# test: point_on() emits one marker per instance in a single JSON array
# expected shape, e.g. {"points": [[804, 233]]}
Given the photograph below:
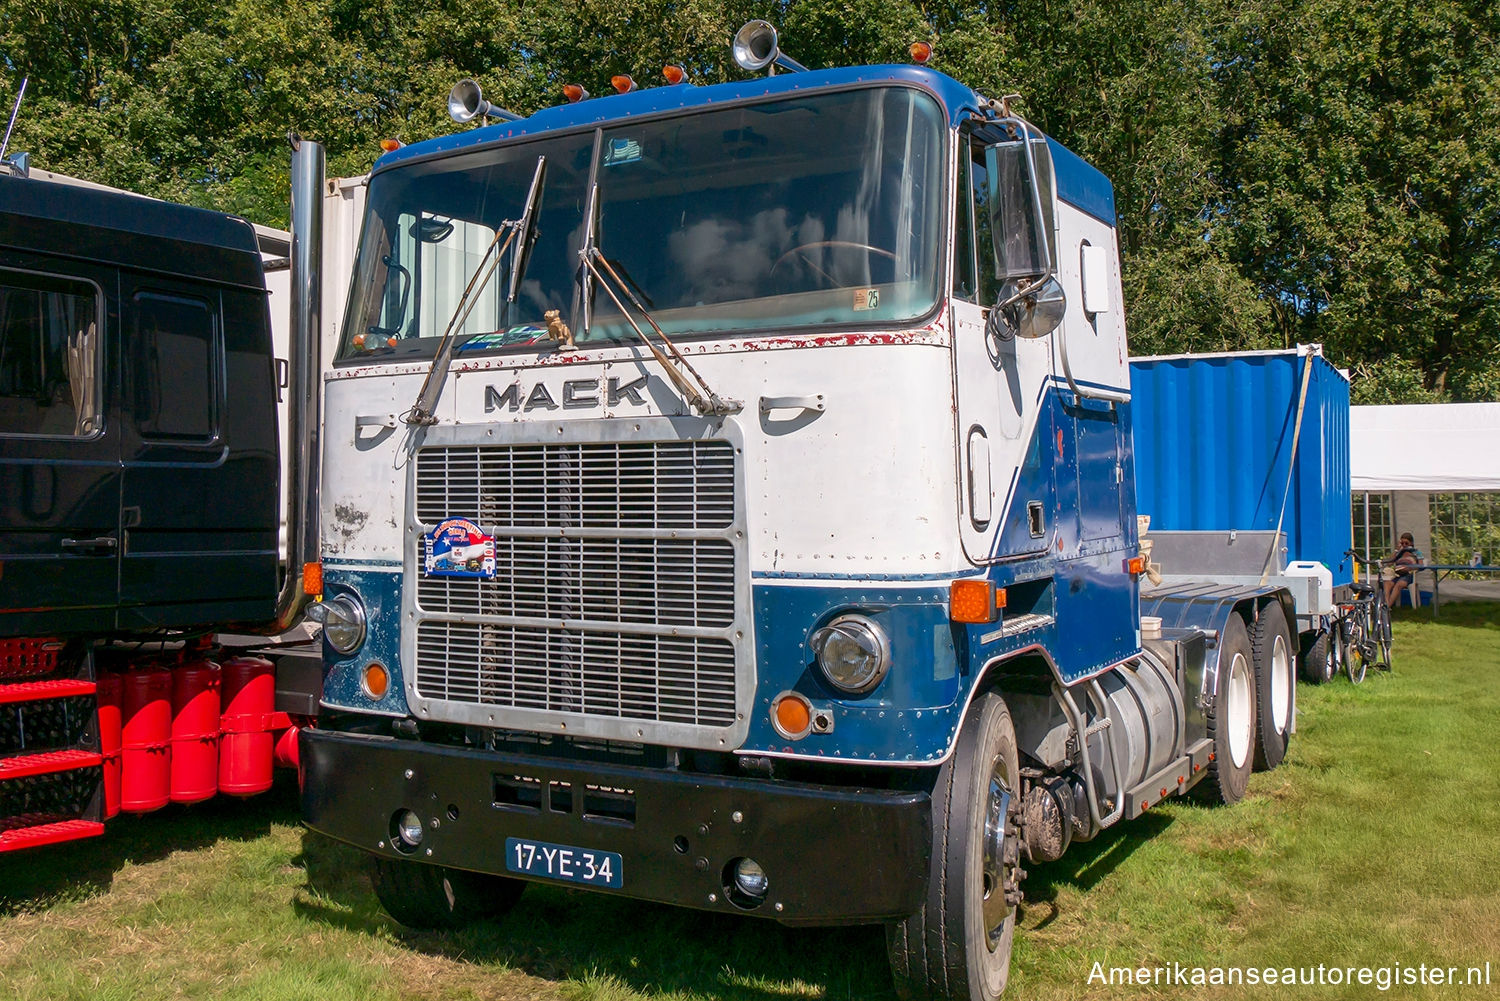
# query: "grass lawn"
{"points": [[1376, 843]]}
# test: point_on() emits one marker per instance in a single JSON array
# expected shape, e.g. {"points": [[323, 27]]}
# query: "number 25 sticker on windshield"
{"points": [[457, 548]]}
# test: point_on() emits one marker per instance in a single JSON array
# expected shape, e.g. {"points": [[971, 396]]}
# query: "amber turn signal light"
{"points": [[312, 578], [376, 681], [1136, 565], [973, 601], [791, 714]]}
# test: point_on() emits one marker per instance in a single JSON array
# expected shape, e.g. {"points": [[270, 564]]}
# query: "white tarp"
{"points": [[1433, 448]]}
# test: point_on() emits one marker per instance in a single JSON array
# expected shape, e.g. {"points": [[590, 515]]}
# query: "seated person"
{"points": [[1397, 573]]}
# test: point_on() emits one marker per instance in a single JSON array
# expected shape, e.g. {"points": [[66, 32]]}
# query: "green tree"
{"points": [[1285, 170]]}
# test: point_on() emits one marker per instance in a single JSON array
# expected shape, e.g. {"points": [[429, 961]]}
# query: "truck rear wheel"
{"points": [[1320, 659], [957, 947], [435, 897], [1231, 717], [1275, 685]]}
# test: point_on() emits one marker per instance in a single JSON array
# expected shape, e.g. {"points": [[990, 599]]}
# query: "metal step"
{"points": [[48, 832], [35, 691], [48, 762]]}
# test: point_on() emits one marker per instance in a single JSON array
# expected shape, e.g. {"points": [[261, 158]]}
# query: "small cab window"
{"points": [[974, 270], [49, 356], [174, 366]]}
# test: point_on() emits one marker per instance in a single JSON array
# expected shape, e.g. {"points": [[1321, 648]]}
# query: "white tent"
{"points": [[1400, 456], [1433, 448]]}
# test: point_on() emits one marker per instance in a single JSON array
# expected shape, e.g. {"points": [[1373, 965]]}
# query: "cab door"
{"points": [[59, 448], [1006, 489], [199, 496]]}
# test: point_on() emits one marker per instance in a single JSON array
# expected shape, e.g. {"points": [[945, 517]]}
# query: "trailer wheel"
{"points": [[957, 947], [1275, 686], [1319, 660], [1231, 717], [436, 897]]}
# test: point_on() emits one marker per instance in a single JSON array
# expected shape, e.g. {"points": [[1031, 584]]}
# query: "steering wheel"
{"points": [[849, 244]]}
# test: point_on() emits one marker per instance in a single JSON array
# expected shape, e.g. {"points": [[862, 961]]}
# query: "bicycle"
{"points": [[1364, 626]]}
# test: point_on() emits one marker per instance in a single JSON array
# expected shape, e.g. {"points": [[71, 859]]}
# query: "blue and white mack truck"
{"points": [[727, 501]]}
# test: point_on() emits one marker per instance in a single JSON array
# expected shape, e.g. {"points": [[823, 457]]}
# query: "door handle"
{"points": [[106, 543], [813, 403], [362, 421]]}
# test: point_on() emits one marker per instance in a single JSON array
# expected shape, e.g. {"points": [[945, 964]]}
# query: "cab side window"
{"points": [[49, 356], [176, 367], [974, 247]]}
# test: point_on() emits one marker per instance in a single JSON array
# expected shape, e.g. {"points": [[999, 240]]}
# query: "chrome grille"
{"points": [[664, 679], [619, 485], [678, 582], [615, 588]]}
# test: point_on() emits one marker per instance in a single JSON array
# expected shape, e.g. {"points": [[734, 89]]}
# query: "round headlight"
{"points": [[852, 653], [343, 621]]}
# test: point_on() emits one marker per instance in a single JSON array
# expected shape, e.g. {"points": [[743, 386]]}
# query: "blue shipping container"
{"points": [[1213, 440]]}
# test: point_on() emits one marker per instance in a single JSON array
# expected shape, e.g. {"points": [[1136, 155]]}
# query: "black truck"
{"points": [[140, 506]]}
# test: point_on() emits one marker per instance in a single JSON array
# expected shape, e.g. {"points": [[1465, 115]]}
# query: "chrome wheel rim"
{"points": [[999, 856], [1281, 685], [1238, 715]]}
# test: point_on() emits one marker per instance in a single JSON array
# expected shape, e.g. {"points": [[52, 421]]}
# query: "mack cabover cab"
{"points": [[728, 502]]}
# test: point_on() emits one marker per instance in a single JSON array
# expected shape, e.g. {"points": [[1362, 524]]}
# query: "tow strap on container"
{"points": [[1291, 466]]}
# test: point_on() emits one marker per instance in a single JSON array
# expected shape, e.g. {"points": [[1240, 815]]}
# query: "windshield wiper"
{"points": [[699, 396], [526, 230], [516, 231]]}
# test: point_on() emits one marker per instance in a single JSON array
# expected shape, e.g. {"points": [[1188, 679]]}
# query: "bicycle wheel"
{"points": [[1382, 634], [1356, 653]]}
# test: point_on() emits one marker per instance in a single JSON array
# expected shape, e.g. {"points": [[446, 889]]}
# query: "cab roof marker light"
{"points": [[623, 83], [674, 74], [921, 52], [390, 145], [575, 93]]}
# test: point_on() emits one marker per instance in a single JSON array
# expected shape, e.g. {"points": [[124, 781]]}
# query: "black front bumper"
{"points": [[833, 855]]}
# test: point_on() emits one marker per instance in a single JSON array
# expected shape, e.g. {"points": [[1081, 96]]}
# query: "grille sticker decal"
{"points": [[457, 548]]}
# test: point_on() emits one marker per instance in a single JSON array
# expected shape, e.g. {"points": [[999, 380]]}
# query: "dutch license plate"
{"points": [[565, 862]]}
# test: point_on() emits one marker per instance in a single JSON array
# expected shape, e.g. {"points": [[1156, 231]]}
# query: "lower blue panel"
{"points": [[380, 592], [908, 718], [1098, 615]]}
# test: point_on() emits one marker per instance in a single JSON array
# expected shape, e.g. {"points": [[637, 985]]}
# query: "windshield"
{"points": [[820, 210]]}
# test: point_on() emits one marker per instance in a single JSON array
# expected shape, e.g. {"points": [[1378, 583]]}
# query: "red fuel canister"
{"points": [[249, 701], [109, 687], [146, 733], [195, 731]]}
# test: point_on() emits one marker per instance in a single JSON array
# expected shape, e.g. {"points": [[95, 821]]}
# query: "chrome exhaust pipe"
{"points": [[305, 373], [755, 47]]}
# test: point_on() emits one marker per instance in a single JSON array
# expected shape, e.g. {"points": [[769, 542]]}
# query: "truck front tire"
{"points": [[426, 897], [957, 947]]}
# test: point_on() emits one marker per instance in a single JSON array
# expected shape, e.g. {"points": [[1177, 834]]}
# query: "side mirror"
{"points": [[1020, 204], [1018, 173], [1033, 310]]}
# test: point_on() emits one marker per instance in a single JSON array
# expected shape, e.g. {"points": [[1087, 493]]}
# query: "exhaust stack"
{"points": [[304, 405]]}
